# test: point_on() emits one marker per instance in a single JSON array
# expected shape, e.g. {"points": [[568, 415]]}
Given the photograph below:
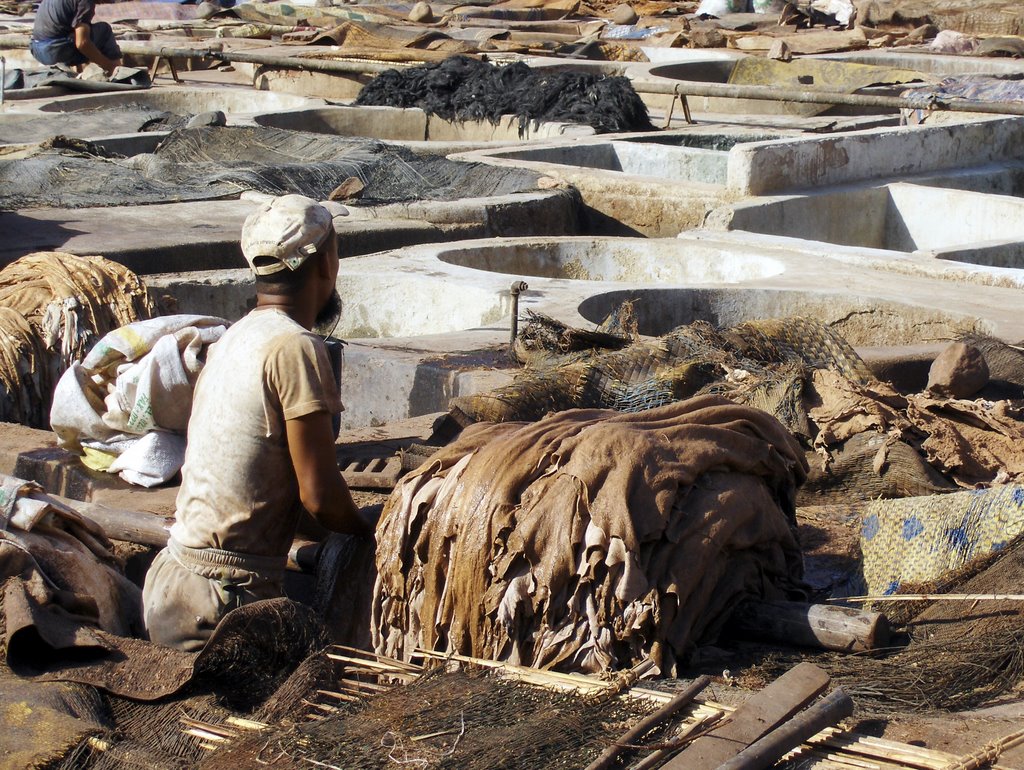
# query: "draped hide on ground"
{"points": [[590, 539]]}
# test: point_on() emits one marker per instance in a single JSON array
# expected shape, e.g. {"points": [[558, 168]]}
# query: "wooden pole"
{"points": [[935, 598], [119, 524], [150, 529], [766, 751], [812, 625], [644, 726], [813, 96]]}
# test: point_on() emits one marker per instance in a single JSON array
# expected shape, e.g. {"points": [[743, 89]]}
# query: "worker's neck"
{"points": [[293, 307]]}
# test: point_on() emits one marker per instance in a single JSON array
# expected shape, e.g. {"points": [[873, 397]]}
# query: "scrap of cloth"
{"points": [[61, 584], [590, 539]]}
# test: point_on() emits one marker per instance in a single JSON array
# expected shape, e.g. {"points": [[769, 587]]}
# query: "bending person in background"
{"points": [[64, 33], [260, 441]]}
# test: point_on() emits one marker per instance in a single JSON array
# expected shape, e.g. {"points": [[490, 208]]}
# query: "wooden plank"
{"points": [[762, 713]]}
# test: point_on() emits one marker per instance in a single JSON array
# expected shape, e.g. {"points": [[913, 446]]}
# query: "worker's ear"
{"points": [[323, 263]]}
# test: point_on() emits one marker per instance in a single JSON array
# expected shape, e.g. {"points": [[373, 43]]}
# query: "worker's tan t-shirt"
{"points": [[238, 486]]}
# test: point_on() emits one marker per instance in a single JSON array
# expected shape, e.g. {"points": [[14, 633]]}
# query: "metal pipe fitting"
{"points": [[517, 288]]}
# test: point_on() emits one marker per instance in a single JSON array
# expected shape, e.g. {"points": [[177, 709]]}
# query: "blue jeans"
{"points": [[62, 50]]}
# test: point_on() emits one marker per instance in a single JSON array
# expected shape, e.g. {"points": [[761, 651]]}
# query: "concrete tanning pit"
{"points": [[929, 222], [402, 196], [133, 122], [803, 74], [429, 322], [722, 140], [619, 260], [415, 126], [862, 320], [186, 101], [676, 164]]}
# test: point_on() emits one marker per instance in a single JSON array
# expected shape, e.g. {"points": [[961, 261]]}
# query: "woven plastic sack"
{"points": [[918, 540]]}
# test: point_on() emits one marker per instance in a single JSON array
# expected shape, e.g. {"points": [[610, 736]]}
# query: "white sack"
{"points": [[136, 381]]}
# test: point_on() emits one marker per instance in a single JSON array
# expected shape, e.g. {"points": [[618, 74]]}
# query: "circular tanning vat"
{"points": [[375, 304], [613, 259], [401, 304], [861, 320]]}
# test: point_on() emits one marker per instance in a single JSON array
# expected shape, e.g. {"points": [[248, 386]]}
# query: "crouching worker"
{"points": [[64, 33], [260, 441]]}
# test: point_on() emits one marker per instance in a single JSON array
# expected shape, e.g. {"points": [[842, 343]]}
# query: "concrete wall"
{"points": [[388, 123], [896, 217], [389, 303], [935, 218], [634, 261], [764, 168], [185, 100], [851, 218]]}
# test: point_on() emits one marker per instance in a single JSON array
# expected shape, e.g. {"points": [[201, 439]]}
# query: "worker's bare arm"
{"points": [[88, 49], [322, 490]]}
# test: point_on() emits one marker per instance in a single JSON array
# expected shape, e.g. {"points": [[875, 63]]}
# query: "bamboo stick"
{"points": [[880, 748], [360, 671], [211, 728], [98, 744], [372, 666], [353, 684], [934, 598], [339, 696], [537, 675], [246, 724], [322, 707], [353, 651], [205, 735]]}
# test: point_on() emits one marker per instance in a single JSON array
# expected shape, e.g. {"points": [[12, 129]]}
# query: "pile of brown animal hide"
{"points": [[590, 539], [872, 441]]}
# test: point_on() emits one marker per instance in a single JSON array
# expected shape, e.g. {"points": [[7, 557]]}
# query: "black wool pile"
{"points": [[460, 88]]}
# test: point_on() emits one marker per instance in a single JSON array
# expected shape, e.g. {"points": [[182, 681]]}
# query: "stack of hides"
{"points": [[591, 539], [53, 308]]}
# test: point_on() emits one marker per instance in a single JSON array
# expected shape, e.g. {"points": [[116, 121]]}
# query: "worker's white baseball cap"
{"points": [[285, 231]]}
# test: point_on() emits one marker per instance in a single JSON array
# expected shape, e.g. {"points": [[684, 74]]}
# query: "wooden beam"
{"points": [[766, 751], [762, 713]]}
